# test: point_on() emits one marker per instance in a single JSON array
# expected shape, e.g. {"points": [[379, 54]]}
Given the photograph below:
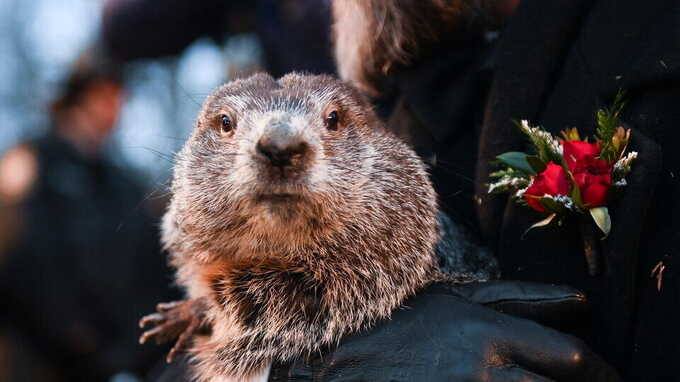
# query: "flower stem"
{"points": [[590, 245]]}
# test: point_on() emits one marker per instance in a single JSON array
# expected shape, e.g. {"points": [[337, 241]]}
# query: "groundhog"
{"points": [[296, 218]]}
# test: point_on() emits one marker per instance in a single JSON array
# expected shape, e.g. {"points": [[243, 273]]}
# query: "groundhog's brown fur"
{"points": [[291, 260]]}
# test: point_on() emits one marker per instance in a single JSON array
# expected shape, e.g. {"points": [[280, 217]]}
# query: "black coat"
{"points": [[559, 62], [437, 104]]}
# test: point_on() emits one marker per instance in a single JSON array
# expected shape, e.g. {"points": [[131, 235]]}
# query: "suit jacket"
{"points": [[558, 62]]}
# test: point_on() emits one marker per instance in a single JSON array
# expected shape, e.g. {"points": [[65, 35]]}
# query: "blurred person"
{"points": [[294, 34], [79, 254]]}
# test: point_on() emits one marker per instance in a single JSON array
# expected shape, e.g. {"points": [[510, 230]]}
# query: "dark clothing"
{"points": [[295, 34], [459, 253], [437, 104], [86, 266], [558, 62], [133, 29]]}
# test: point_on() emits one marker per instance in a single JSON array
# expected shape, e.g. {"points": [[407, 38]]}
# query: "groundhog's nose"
{"points": [[282, 152]]}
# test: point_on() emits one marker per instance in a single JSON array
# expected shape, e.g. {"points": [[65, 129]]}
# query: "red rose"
{"points": [[552, 181], [578, 153], [594, 187], [593, 176]]}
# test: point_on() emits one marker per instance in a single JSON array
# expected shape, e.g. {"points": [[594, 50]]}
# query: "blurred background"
{"points": [[96, 96]]}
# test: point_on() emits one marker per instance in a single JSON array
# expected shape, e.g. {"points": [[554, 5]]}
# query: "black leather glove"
{"points": [[447, 334]]}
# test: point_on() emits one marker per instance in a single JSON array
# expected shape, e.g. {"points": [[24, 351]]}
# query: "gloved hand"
{"points": [[453, 334]]}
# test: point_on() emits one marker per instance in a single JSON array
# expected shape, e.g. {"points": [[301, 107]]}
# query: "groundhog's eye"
{"points": [[332, 120], [227, 123]]}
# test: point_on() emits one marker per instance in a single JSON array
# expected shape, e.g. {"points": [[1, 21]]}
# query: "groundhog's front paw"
{"points": [[178, 319]]}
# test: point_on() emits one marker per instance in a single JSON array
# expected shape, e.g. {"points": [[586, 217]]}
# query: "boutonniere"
{"points": [[570, 175]]}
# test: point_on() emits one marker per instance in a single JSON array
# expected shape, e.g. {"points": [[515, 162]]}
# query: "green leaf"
{"points": [[607, 124], [536, 163], [542, 223], [518, 161], [551, 205], [509, 172], [601, 217], [576, 194]]}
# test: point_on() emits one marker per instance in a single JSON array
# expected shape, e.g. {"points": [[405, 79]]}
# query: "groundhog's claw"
{"points": [[179, 319], [166, 306], [183, 340], [155, 318]]}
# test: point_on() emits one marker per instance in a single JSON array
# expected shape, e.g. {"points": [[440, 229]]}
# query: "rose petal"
{"points": [[555, 178], [552, 181], [594, 188], [534, 202], [578, 153]]}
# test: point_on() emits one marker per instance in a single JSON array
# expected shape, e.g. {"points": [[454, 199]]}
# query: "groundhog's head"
{"points": [[281, 164]]}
